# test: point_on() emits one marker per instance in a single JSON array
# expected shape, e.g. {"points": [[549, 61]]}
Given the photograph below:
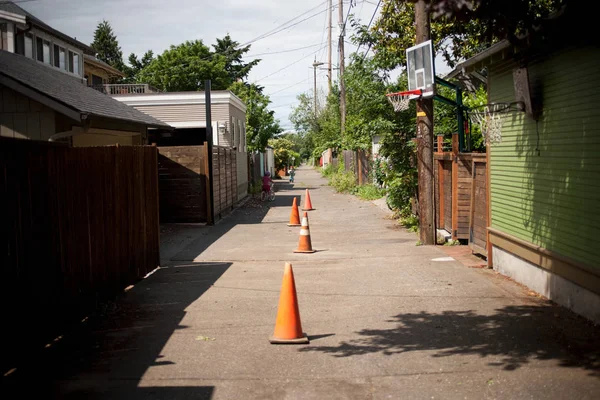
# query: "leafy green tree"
{"points": [[107, 46], [306, 123], [137, 65], [283, 151], [261, 124], [185, 67], [368, 111], [459, 28]]}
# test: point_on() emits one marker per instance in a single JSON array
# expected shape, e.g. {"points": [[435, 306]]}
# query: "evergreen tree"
{"points": [[107, 46]]}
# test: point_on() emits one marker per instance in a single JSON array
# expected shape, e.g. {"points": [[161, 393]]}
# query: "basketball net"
{"points": [[490, 120], [400, 101]]}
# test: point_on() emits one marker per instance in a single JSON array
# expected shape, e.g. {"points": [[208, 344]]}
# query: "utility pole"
{"points": [[315, 65], [329, 66], [342, 67], [425, 139], [209, 145]]}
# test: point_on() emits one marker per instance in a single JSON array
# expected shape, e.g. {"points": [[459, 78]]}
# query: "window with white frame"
{"points": [[74, 63], [28, 45], [233, 136], [60, 57], [42, 52], [242, 136]]}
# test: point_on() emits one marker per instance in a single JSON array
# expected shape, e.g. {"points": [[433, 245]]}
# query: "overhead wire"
{"points": [[285, 25], [368, 26], [287, 66]]}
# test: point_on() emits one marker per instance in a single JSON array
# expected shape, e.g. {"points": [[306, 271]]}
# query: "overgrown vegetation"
{"points": [[370, 192], [458, 32]]}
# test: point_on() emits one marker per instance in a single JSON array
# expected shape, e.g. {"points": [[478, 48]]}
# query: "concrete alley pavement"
{"points": [[387, 319]]}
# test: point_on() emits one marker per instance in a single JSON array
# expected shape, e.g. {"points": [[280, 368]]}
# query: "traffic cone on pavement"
{"points": [[295, 215], [304, 244], [307, 203], [288, 327]]}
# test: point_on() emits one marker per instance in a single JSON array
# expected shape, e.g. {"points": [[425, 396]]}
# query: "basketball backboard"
{"points": [[420, 67]]}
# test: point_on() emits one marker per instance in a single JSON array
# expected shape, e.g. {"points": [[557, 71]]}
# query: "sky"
{"points": [[142, 25]]}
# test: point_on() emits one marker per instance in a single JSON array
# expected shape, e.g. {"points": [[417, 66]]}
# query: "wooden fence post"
{"points": [[454, 232], [208, 180]]}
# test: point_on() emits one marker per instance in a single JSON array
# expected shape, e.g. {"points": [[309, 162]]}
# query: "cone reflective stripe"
{"points": [[304, 243], [288, 327], [295, 215], [307, 203]]}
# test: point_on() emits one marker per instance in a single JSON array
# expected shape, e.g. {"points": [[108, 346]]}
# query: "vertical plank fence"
{"points": [[224, 180], [77, 226], [461, 208]]}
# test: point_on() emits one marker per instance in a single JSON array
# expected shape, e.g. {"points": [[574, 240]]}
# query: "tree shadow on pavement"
{"points": [[107, 355], [513, 336]]}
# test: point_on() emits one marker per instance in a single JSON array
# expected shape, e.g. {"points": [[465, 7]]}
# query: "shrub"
{"points": [[327, 170], [343, 182], [369, 192]]}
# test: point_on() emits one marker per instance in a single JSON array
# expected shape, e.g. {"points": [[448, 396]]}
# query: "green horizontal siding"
{"points": [[545, 176]]}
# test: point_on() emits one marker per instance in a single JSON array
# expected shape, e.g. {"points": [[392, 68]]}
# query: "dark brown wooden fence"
{"points": [[478, 220], [358, 162], [183, 179], [77, 224], [459, 179]]}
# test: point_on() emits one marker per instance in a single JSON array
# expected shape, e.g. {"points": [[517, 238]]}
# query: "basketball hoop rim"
{"points": [[496, 108], [417, 92]]}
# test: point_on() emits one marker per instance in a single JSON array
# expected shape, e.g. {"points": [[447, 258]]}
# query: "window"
{"points": [[46, 47], [74, 62], [28, 46], [233, 132], [42, 50], [4, 36], [62, 59], [39, 49]]}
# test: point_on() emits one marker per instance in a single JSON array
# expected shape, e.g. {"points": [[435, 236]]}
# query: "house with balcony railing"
{"points": [[125, 88]]}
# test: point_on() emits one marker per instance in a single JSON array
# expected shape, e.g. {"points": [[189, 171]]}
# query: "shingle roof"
{"points": [[68, 90], [15, 9]]}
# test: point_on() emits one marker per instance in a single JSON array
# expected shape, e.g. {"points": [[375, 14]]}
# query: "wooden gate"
{"points": [[461, 202]]}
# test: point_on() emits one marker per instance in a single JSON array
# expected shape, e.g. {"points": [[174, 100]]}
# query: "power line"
{"points": [[284, 51], [287, 66], [283, 26], [368, 26]]}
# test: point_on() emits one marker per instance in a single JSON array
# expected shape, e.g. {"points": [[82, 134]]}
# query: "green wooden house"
{"points": [[544, 174]]}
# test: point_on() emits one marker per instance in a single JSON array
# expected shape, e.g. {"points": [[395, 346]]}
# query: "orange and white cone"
{"points": [[295, 214], [307, 203], [288, 327], [304, 244]]}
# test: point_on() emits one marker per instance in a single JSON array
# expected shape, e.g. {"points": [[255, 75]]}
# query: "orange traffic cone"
{"points": [[295, 215], [288, 328], [307, 203], [304, 244]]}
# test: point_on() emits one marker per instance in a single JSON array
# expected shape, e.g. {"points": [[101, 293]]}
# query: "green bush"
{"points": [[327, 170], [410, 222], [369, 192], [255, 188], [343, 182]]}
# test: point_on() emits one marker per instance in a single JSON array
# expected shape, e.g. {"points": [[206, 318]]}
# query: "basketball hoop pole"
{"points": [[427, 231]]}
